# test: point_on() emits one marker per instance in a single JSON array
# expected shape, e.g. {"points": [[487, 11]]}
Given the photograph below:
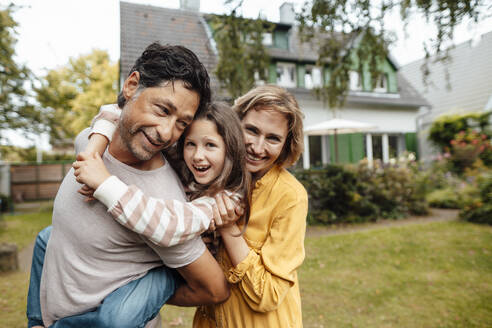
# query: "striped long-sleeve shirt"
{"points": [[164, 222]]}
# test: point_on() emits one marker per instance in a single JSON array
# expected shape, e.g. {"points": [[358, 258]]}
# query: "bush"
{"points": [[445, 198], [479, 209], [339, 194], [445, 128], [6, 203]]}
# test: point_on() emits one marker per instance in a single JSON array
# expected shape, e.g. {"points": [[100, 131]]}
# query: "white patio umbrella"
{"points": [[338, 126]]}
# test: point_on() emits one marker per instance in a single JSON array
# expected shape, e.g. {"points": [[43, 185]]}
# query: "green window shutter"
{"points": [[411, 142], [357, 146], [301, 72]]}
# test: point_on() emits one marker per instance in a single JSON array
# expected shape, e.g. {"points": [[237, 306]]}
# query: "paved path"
{"points": [[435, 215]]}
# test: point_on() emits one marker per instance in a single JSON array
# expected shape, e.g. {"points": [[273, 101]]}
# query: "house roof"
{"points": [[469, 83], [143, 24]]}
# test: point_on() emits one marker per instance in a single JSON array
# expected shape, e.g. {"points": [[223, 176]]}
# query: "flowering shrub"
{"points": [[468, 147]]}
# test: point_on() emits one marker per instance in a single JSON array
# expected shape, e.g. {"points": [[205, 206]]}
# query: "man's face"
{"points": [[154, 118]]}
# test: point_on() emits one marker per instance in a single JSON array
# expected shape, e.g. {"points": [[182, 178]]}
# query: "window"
{"points": [[267, 39], [377, 147], [286, 75], [312, 78], [382, 83], [315, 151], [393, 146], [258, 80], [355, 81]]}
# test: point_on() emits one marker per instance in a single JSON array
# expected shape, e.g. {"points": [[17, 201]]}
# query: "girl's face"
{"points": [[265, 132], [204, 151]]}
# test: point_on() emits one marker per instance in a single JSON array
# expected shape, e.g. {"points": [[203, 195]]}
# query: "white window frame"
{"points": [[313, 77], [286, 74], [267, 39], [355, 81]]}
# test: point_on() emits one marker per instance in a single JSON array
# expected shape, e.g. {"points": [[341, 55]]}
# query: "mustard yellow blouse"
{"points": [[264, 286]]}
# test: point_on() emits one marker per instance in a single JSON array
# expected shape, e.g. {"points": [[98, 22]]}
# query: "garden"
{"points": [[460, 177], [430, 274]]}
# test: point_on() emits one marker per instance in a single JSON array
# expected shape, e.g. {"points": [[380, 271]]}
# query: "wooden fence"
{"points": [[36, 181]]}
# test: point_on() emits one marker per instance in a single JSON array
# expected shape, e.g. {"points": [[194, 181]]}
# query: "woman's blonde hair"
{"points": [[272, 97]]}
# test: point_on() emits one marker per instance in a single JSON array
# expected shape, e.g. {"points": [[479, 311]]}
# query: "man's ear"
{"points": [[130, 85]]}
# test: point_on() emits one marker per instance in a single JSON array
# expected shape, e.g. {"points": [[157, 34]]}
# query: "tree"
{"points": [[16, 112], [242, 55], [73, 94], [340, 29]]}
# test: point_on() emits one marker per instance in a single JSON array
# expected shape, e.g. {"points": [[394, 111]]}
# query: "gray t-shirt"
{"points": [[89, 254]]}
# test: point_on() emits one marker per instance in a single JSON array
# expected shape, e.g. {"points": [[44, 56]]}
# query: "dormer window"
{"points": [[267, 39], [286, 75], [355, 81], [312, 78], [382, 83]]}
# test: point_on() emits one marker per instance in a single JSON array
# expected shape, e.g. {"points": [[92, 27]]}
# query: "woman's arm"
{"points": [[265, 277]]}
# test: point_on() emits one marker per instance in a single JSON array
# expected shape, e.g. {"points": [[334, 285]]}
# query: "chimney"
{"points": [[190, 5], [287, 15]]}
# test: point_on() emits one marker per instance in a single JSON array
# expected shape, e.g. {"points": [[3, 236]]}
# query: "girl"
{"points": [[209, 157], [261, 265]]}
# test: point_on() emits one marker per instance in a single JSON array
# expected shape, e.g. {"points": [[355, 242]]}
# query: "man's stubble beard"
{"points": [[127, 136]]}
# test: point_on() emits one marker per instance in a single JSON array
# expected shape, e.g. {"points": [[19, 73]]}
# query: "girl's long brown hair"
{"points": [[234, 176]]}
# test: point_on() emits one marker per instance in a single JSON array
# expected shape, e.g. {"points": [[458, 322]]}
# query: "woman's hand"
{"points": [[91, 171], [226, 211]]}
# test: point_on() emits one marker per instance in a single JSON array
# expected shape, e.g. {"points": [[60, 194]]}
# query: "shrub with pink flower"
{"points": [[468, 147]]}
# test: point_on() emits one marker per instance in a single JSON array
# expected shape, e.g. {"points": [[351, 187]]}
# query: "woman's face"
{"points": [[265, 132], [204, 151]]}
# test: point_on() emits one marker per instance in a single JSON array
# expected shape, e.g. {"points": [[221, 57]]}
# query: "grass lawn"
{"points": [[430, 275]]}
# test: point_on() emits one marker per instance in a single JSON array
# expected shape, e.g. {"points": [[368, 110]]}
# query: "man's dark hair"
{"points": [[160, 63]]}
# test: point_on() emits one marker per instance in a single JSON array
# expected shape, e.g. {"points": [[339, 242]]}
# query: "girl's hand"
{"points": [[92, 172], [226, 212]]}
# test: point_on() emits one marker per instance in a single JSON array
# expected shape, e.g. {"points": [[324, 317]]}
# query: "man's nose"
{"points": [[165, 132]]}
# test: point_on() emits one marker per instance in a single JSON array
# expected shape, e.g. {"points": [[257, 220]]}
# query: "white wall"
{"points": [[388, 120]]}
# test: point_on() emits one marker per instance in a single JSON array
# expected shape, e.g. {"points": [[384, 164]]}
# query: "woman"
{"points": [[262, 264]]}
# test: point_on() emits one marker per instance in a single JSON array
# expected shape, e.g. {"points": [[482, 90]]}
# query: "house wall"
{"points": [[352, 147], [388, 119]]}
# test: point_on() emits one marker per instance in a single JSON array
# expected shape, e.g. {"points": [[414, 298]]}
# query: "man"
{"points": [[89, 255]]}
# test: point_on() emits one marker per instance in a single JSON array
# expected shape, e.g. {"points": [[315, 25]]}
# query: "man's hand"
{"points": [[226, 212], [92, 172]]}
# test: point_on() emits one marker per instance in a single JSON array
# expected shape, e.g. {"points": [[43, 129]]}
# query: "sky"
{"points": [[52, 31]]}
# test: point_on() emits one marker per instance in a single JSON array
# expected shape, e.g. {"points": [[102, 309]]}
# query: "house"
{"points": [[462, 84], [392, 106]]}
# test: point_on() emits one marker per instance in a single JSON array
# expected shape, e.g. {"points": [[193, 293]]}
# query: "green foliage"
{"points": [[341, 28], [445, 198], [479, 209], [241, 51], [446, 127], [74, 93], [19, 154], [15, 110], [339, 194], [5, 203]]}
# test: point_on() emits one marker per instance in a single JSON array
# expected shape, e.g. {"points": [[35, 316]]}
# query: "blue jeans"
{"points": [[132, 305]]}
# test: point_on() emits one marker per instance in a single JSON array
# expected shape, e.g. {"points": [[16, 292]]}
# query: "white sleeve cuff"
{"points": [[103, 127], [110, 191]]}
